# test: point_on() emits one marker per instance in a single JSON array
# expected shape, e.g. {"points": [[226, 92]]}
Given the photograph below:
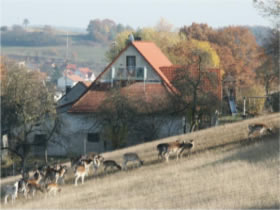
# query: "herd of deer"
{"points": [[46, 179]]}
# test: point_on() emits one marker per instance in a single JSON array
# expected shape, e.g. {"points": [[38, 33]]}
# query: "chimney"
{"points": [[131, 38]]}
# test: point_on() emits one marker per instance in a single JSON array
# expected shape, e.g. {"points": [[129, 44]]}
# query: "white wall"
{"points": [[76, 127], [140, 62], [62, 82]]}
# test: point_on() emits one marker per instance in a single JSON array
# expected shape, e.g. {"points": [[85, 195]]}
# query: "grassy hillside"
{"points": [[87, 55], [226, 170]]}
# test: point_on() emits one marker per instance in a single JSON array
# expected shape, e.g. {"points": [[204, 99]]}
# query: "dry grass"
{"points": [[225, 171]]}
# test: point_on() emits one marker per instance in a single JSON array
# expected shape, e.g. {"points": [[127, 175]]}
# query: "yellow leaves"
{"points": [[121, 38], [204, 46]]}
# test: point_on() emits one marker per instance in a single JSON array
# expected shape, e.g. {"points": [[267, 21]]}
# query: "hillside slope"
{"points": [[225, 171]]}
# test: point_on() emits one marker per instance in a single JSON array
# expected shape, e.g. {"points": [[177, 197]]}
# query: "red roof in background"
{"points": [[86, 83], [71, 66], [74, 77], [85, 70]]}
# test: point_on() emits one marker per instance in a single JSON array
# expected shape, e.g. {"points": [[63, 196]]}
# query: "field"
{"points": [[81, 54], [225, 170]]}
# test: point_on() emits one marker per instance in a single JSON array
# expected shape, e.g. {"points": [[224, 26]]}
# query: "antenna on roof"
{"points": [[66, 64], [131, 37]]}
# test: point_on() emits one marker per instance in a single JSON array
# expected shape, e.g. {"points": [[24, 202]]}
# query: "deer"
{"points": [[131, 157], [11, 190], [33, 185], [111, 164], [162, 149], [178, 148], [97, 161], [52, 188], [82, 171], [261, 128], [56, 173]]}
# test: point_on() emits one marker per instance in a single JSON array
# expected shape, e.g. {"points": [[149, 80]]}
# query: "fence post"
{"points": [[244, 106]]}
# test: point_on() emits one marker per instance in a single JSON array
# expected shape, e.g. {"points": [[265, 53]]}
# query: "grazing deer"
{"points": [[162, 149], [258, 127], [111, 164], [52, 188], [22, 187], [131, 157], [75, 161], [97, 161], [11, 190], [59, 174], [82, 170], [33, 183], [178, 148]]}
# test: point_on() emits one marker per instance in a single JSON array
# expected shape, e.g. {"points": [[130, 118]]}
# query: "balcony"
{"points": [[138, 73]]}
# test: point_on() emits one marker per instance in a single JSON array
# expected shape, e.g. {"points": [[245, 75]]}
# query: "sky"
{"points": [[136, 13]]}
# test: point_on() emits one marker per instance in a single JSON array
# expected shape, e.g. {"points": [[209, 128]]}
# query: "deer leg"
{"points": [[76, 180], [6, 199]]}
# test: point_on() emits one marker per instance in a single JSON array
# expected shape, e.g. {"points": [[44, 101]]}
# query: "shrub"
{"points": [[253, 105]]}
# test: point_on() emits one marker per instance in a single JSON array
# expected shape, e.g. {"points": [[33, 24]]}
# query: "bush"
{"points": [[253, 105]]}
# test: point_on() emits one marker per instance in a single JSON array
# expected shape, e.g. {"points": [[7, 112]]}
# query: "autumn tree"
{"points": [[236, 47], [269, 9], [27, 105], [195, 81], [116, 115], [269, 70], [104, 30]]}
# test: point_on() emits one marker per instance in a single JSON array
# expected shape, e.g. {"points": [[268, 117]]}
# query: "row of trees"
{"points": [[18, 36], [104, 30]]}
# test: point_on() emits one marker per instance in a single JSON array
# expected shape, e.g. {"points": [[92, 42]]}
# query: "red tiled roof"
{"points": [[155, 58], [85, 70], [155, 94], [169, 71], [74, 77], [87, 83], [71, 66]]}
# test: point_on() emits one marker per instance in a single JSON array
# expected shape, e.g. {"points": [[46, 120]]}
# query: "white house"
{"points": [[68, 80], [137, 69], [85, 73], [139, 72]]}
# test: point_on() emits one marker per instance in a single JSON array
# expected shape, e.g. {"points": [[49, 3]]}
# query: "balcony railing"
{"points": [[129, 73]]}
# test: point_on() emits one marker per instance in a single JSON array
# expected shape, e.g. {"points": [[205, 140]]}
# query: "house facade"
{"points": [[137, 73]]}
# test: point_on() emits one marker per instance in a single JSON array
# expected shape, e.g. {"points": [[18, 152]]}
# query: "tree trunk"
{"points": [[23, 159], [46, 155]]}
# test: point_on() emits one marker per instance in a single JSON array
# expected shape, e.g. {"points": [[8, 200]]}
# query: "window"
{"points": [[140, 73], [93, 137], [130, 62], [40, 139]]}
